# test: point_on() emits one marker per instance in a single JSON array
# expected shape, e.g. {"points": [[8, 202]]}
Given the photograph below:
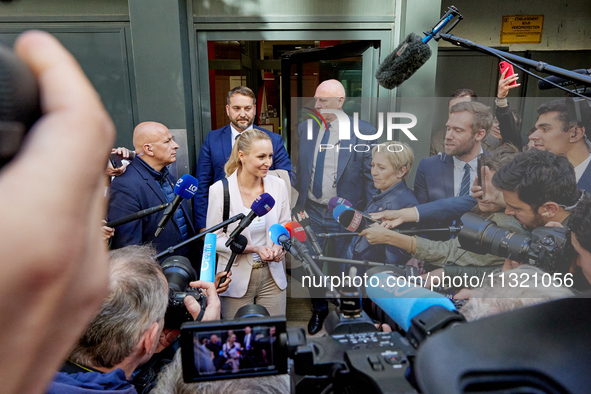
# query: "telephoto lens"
{"points": [[179, 273]]}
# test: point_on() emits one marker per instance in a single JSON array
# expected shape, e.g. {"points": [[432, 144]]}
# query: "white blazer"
{"points": [[242, 266]]}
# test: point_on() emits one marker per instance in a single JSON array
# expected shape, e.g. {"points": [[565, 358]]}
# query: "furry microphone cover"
{"points": [[411, 54]]}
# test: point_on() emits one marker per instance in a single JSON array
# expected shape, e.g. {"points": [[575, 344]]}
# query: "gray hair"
{"points": [[495, 298], [170, 381], [138, 297]]}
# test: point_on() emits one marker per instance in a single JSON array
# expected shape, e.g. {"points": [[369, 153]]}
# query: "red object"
{"points": [[504, 66], [296, 231]]}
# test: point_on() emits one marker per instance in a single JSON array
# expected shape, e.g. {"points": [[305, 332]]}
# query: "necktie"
{"points": [[319, 171], [465, 185]]}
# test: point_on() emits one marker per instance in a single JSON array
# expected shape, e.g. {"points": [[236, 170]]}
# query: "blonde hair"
{"points": [[243, 144], [399, 154]]}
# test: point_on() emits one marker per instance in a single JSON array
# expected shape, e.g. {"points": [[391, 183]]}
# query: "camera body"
{"points": [[547, 248]]}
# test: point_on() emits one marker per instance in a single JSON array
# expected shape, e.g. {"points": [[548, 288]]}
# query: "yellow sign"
{"points": [[522, 29]]}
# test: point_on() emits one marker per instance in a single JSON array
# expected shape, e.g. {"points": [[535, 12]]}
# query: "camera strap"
{"points": [[226, 212]]}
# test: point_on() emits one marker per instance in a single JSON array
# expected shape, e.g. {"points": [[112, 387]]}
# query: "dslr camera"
{"points": [[547, 248], [179, 273]]}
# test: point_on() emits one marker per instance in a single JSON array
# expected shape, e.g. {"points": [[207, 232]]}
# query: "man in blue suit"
{"points": [[328, 167], [147, 183], [215, 151]]}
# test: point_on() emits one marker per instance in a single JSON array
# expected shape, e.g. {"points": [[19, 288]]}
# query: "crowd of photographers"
{"points": [[105, 313]]}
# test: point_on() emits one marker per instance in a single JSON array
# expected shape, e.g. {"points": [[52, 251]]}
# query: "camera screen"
{"points": [[234, 351]]}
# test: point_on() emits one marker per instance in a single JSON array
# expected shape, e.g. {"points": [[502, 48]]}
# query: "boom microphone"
{"points": [[185, 188], [303, 218], [137, 215], [544, 85], [403, 303], [259, 208], [237, 247], [207, 272]]}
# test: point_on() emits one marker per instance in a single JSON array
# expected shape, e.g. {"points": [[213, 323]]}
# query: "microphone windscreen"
{"points": [[186, 186], [300, 215], [544, 85], [275, 231], [401, 64], [238, 244], [263, 204], [339, 209], [208, 260], [402, 303], [353, 221], [337, 201], [296, 231]]}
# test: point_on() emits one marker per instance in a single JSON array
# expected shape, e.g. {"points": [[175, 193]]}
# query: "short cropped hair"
{"points": [[482, 115], [539, 177], [399, 154], [465, 93], [494, 298], [170, 380], [579, 222], [500, 156], [138, 297], [558, 106], [243, 90]]}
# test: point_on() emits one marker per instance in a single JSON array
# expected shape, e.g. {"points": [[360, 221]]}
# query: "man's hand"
{"points": [[51, 226], [376, 234], [505, 84], [392, 219], [213, 308], [226, 284], [110, 171]]}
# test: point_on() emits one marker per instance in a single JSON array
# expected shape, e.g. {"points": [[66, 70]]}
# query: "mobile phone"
{"points": [[504, 66], [480, 173], [115, 160], [241, 348]]}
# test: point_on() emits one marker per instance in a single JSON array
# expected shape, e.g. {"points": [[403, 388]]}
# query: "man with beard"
{"points": [[215, 151], [451, 174]]}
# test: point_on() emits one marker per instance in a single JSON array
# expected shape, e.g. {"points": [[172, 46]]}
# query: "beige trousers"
{"points": [[261, 290]]}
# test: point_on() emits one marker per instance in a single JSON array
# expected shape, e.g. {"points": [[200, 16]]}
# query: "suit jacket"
{"points": [[585, 180], [213, 156], [135, 190], [242, 267], [354, 181]]}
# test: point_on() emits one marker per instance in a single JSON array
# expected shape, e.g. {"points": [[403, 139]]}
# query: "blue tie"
{"points": [[319, 171], [465, 185]]}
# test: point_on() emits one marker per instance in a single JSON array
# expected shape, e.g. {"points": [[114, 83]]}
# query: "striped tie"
{"points": [[465, 185]]}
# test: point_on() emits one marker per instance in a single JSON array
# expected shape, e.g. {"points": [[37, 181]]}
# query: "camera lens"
{"points": [[252, 310], [179, 273]]}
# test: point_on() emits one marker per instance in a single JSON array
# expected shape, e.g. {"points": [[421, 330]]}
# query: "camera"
{"points": [[179, 273], [252, 344], [547, 248]]}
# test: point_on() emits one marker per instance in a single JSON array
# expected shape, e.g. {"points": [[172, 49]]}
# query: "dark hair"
{"points": [[465, 93], [497, 158], [243, 90], [558, 106], [539, 177], [579, 222], [482, 116]]}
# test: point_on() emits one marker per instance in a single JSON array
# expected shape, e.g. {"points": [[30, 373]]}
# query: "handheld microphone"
{"points": [[137, 215], [296, 231], [208, 260], [544, 85], [411, 54], [237, 246], [403, 303], [353, 221], [339, 209], [303, 218], [295, 246], [338, 201], [260, 207], [280, 236], [185, 188]]}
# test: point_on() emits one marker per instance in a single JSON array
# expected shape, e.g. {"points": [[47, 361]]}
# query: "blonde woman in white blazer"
{"points": [[258, 274]]}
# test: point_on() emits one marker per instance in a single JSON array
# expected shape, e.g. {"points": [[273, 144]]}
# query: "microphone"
{"points": [[207, 272], [338, 201], [339, 209], [296, 231], [303, 218], [237, 246], [403, 303], [544, 85], [353, 220], [281, 236], [137, 215], [294, 245], [185, 188], [260, 207]]}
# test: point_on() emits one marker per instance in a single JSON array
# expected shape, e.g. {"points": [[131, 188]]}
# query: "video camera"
{"points": [[547, 248], [179, 273]]}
